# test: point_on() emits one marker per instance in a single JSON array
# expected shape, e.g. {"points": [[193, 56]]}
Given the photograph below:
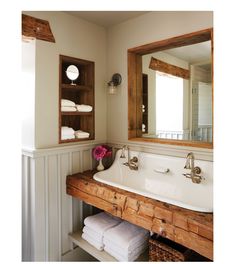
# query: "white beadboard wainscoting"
{"points": [[48, 213]]}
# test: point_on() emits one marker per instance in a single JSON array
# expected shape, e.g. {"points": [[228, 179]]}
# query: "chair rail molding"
{"points": [[164, 149]]}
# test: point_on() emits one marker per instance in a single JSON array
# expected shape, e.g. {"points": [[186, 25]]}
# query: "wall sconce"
{"points": [[115, 81]]}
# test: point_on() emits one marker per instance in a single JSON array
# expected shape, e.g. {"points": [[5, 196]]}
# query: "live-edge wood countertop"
{"points": [[186, 227]]}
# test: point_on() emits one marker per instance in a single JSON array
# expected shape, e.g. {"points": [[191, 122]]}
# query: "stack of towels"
{"points": [[126, 242], [81, 134], [68, 106], [70, 133], [84, 108], [96, 226], [121, 239], [67, 132]]}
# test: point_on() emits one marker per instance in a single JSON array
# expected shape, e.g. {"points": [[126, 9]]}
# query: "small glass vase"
{"points": [[100, 167]]}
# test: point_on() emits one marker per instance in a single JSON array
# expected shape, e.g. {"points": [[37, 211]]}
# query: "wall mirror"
{"points": [[170, 90]]}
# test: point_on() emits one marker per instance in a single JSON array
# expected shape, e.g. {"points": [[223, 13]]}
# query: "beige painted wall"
{"points": [[138, 31], [28, 102], [77, 38]]}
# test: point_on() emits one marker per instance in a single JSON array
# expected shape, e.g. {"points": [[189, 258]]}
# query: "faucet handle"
{"points": [[123, 156], [197, 170], [134, 159]]}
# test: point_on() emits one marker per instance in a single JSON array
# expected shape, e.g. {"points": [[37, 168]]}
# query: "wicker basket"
{"points": [[163, 249]]}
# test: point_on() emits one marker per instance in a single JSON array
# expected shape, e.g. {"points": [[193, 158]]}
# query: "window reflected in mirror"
{"points": [[177, 96]]}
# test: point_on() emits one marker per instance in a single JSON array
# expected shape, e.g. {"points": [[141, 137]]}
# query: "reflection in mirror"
{"points": [[177, 93]]}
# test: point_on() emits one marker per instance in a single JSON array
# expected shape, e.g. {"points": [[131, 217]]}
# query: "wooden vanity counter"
{"points": [[189, 228]]}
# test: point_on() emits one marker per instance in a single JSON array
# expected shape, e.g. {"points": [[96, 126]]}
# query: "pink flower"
{"points": [[100, 152], [109, 150]]}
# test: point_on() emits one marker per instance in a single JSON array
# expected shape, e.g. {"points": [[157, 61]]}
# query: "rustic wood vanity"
{"points": [[189, 228]]}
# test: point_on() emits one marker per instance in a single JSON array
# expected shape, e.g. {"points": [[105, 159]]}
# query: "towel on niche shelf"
{"points": [[65, 130], [63, 137], [84, 108], [101, 222], [81, 134], [67, 133], [68, 109], [66, 102]]}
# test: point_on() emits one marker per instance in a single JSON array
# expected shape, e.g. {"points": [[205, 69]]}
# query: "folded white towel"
{"points": [[93, 242], [138, 241], [92, 233], [125, 253], [84, 108], [126, 236], [81, 134], [66, 102], [66, 131], [101, 222], [124, 256], [68, 109], [63, 137]]}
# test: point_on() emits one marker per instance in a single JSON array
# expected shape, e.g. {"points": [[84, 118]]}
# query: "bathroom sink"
{"points": [[161, 178]]}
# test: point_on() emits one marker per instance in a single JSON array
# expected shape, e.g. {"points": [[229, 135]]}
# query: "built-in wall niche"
{"points": [[81, 92], [185, 62]]}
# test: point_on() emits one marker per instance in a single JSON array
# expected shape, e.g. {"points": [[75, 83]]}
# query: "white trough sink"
{"points": [[170, 187]]}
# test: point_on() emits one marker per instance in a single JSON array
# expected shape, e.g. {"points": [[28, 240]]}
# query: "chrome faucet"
{"points": [[123, 151], [131, 163], [189, 161], [195, 171]]}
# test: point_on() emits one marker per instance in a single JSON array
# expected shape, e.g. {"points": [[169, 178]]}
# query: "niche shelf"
{"points": [[81, 92]]}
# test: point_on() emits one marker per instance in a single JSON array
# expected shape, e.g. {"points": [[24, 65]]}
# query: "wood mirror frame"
{"points": [[135, 84]]}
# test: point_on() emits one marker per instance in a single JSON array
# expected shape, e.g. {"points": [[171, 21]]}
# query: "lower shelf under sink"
{"points": [[103, 256]]}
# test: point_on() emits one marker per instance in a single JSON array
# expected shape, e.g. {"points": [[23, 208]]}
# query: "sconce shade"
{"points": [[115, 81]]}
